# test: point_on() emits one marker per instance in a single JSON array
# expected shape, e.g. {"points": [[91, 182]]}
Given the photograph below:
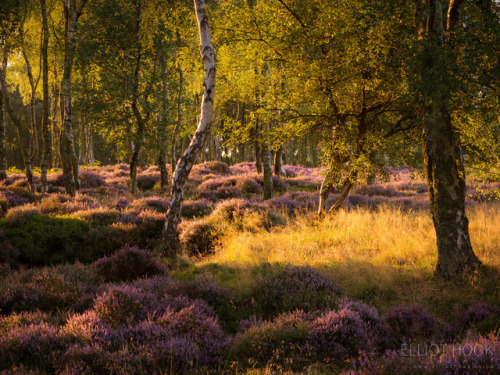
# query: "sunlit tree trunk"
{"points": [[257, 146], [47, 146], [441, 144], [170, 235]]}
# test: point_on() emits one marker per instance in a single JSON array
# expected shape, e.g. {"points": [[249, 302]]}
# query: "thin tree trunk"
{"points": [[17, 122], [279, 170], [47, 146], [268, 168], [162, 131], [71, 168], [441, 146], [3, 133], [170, 235], [179, 117], [257, 147]]}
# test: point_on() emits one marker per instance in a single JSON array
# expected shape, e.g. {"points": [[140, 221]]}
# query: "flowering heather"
{"points": [[199, 237], [481, 314], [147, 181], [8, 254], [283, 203], [242, 168], [204, 331], [99, 216], [36, 345], [123, 305], [295, 288], [13, 199], [196, 208], [26, 318], [278, 341], [129, 263], [61, 287], [89, 327], [91, 180], [208, 167], [412, 323], [21, 214], [249, 186], [339, 335], [121, 203], [154, 202]]}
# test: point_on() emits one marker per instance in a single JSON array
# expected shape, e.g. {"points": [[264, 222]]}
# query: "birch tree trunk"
{"points": [[441, 144], [70, 165], [47, 146], [171, 244]]}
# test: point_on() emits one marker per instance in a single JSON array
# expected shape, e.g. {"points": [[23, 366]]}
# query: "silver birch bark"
{"points": [[171, 244], [268, 167], [163, 129]]}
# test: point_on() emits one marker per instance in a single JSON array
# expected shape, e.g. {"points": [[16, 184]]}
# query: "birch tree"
{"points": [[170, 235], [443, 157], [70, 166]]}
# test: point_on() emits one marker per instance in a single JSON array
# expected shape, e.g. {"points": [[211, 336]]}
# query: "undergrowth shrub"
{"points": [[281, 341], [339, 335], [70, 287], [199, 237], [98, 216], [195, 209], [412, 324], [129, 263], [34, 345], [481, 316], [294, 288]]}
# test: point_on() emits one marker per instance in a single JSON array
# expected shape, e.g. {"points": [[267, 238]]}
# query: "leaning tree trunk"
{"points": [[47, 146], [178, 123], [441, 147], [171, 243]]}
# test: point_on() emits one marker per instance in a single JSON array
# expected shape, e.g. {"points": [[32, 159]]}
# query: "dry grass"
{"points": [[384, 257]]}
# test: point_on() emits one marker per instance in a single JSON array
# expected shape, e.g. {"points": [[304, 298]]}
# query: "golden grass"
{"points": [[384, 256]]}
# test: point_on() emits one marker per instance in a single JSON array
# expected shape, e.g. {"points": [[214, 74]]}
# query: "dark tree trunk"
{"points": [[70, 165], [17, 122], [441, 146], [47, 145], [3, 133], [278, 163], [268, 168], [179, 117], [163, 130], [171, 244], [257, 147]]}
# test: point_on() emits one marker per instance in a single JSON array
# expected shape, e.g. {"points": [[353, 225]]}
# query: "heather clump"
{"points": [[412, 324], [26, 318], [281, 341], [196, 208], [129, 263], [8, 254], [34, 345], [11, 199], [71, 287], [98, 216], [200, 237], [20, 215], [339, 335], [295, 288], [482, 317], [91, 180], [123, 305], [249, 185]]}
